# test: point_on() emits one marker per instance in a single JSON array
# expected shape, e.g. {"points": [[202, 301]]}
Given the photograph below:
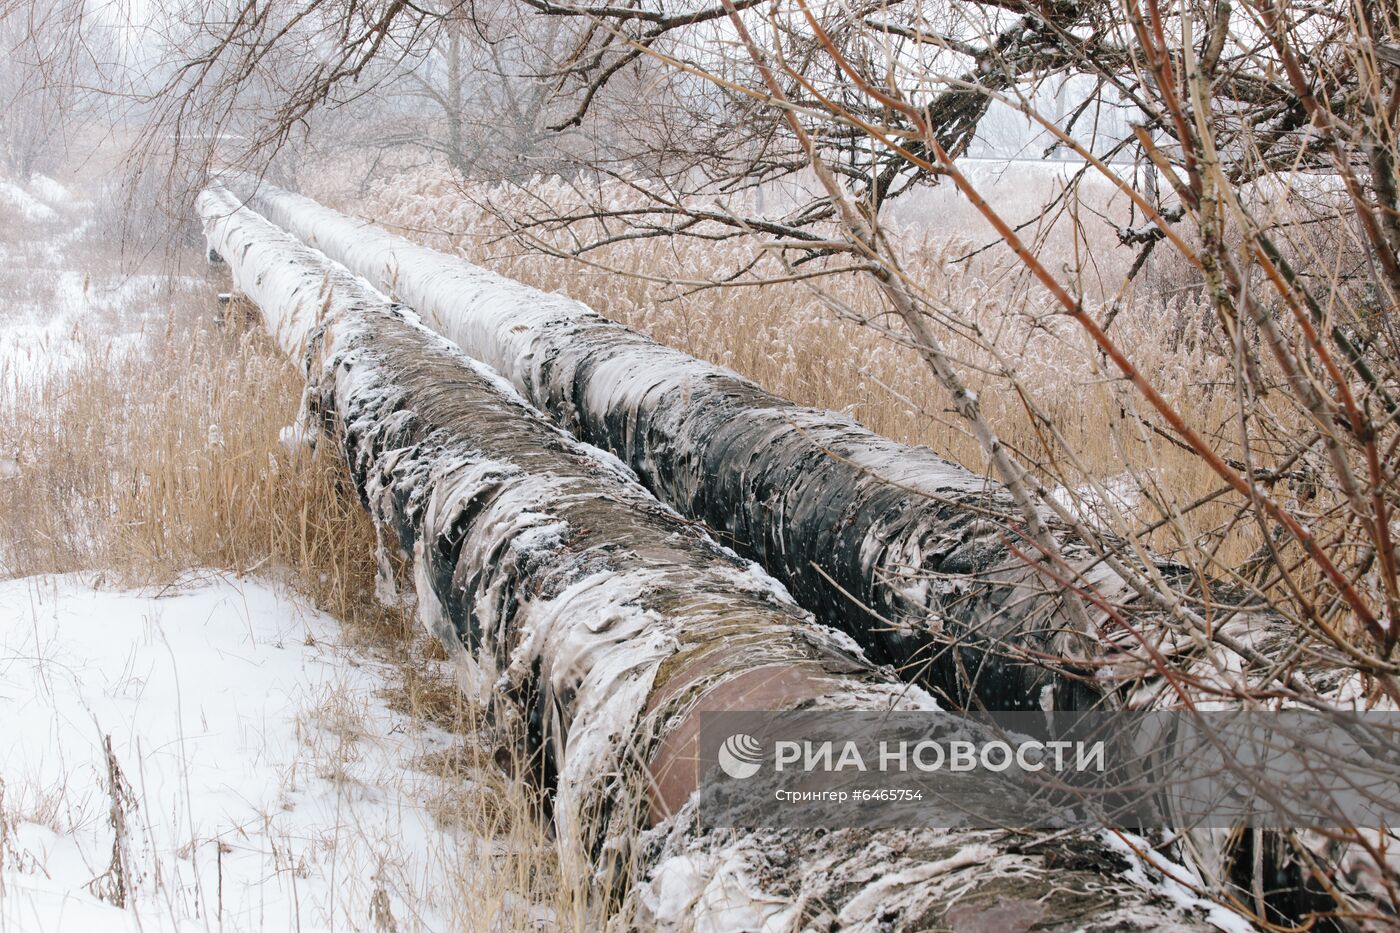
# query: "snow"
{"points": [[39, 339], [1176, 881], [41, 199], [270, 784], [49, 191], [28, 206], [713, 895], [44, 337], [870, 900], [1101, 505], [296, 438], [59, 308]]}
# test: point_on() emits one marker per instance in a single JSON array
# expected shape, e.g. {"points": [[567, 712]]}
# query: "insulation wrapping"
{"points": [[920, 560], [595, 618]]}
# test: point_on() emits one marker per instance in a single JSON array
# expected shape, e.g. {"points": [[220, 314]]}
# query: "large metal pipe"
{"points": [[915, 557], [600, 622]]}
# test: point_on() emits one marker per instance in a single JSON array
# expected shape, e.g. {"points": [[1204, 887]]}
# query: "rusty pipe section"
{"points": [[600, 622]]}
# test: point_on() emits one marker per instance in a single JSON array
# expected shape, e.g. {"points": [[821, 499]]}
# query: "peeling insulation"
{"points": [[921, 561], [596, 619]]}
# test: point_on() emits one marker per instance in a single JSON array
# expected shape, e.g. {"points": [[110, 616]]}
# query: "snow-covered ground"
{"points": [[248, 768], [50, 295], [210, 755], [30, 201]]}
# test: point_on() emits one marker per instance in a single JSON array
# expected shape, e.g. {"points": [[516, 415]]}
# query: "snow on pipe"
{"points": [[912, 555], [599, 622]]}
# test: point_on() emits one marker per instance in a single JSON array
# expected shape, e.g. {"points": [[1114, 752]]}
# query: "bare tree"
{"points": [[870, 102], [50, 62], [489, 93]]}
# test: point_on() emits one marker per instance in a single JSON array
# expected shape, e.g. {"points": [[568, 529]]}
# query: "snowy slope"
{"points": [[268, 785], [62, 303]]}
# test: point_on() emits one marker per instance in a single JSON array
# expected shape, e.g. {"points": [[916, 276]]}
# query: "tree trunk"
{"points": [[913, 556], [599, 621]]}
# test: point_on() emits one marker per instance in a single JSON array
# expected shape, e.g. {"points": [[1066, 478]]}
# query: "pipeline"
{"points": [[599, 622], [913, 556]]}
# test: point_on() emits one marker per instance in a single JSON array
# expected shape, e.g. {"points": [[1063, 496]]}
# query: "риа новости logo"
{"points": [[740, 756]]}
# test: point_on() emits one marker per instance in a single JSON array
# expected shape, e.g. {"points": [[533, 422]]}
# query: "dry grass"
{"points": [[171, 459]]}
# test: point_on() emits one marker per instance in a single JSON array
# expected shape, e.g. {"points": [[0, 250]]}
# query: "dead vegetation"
{"points": [[143, 455]]}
